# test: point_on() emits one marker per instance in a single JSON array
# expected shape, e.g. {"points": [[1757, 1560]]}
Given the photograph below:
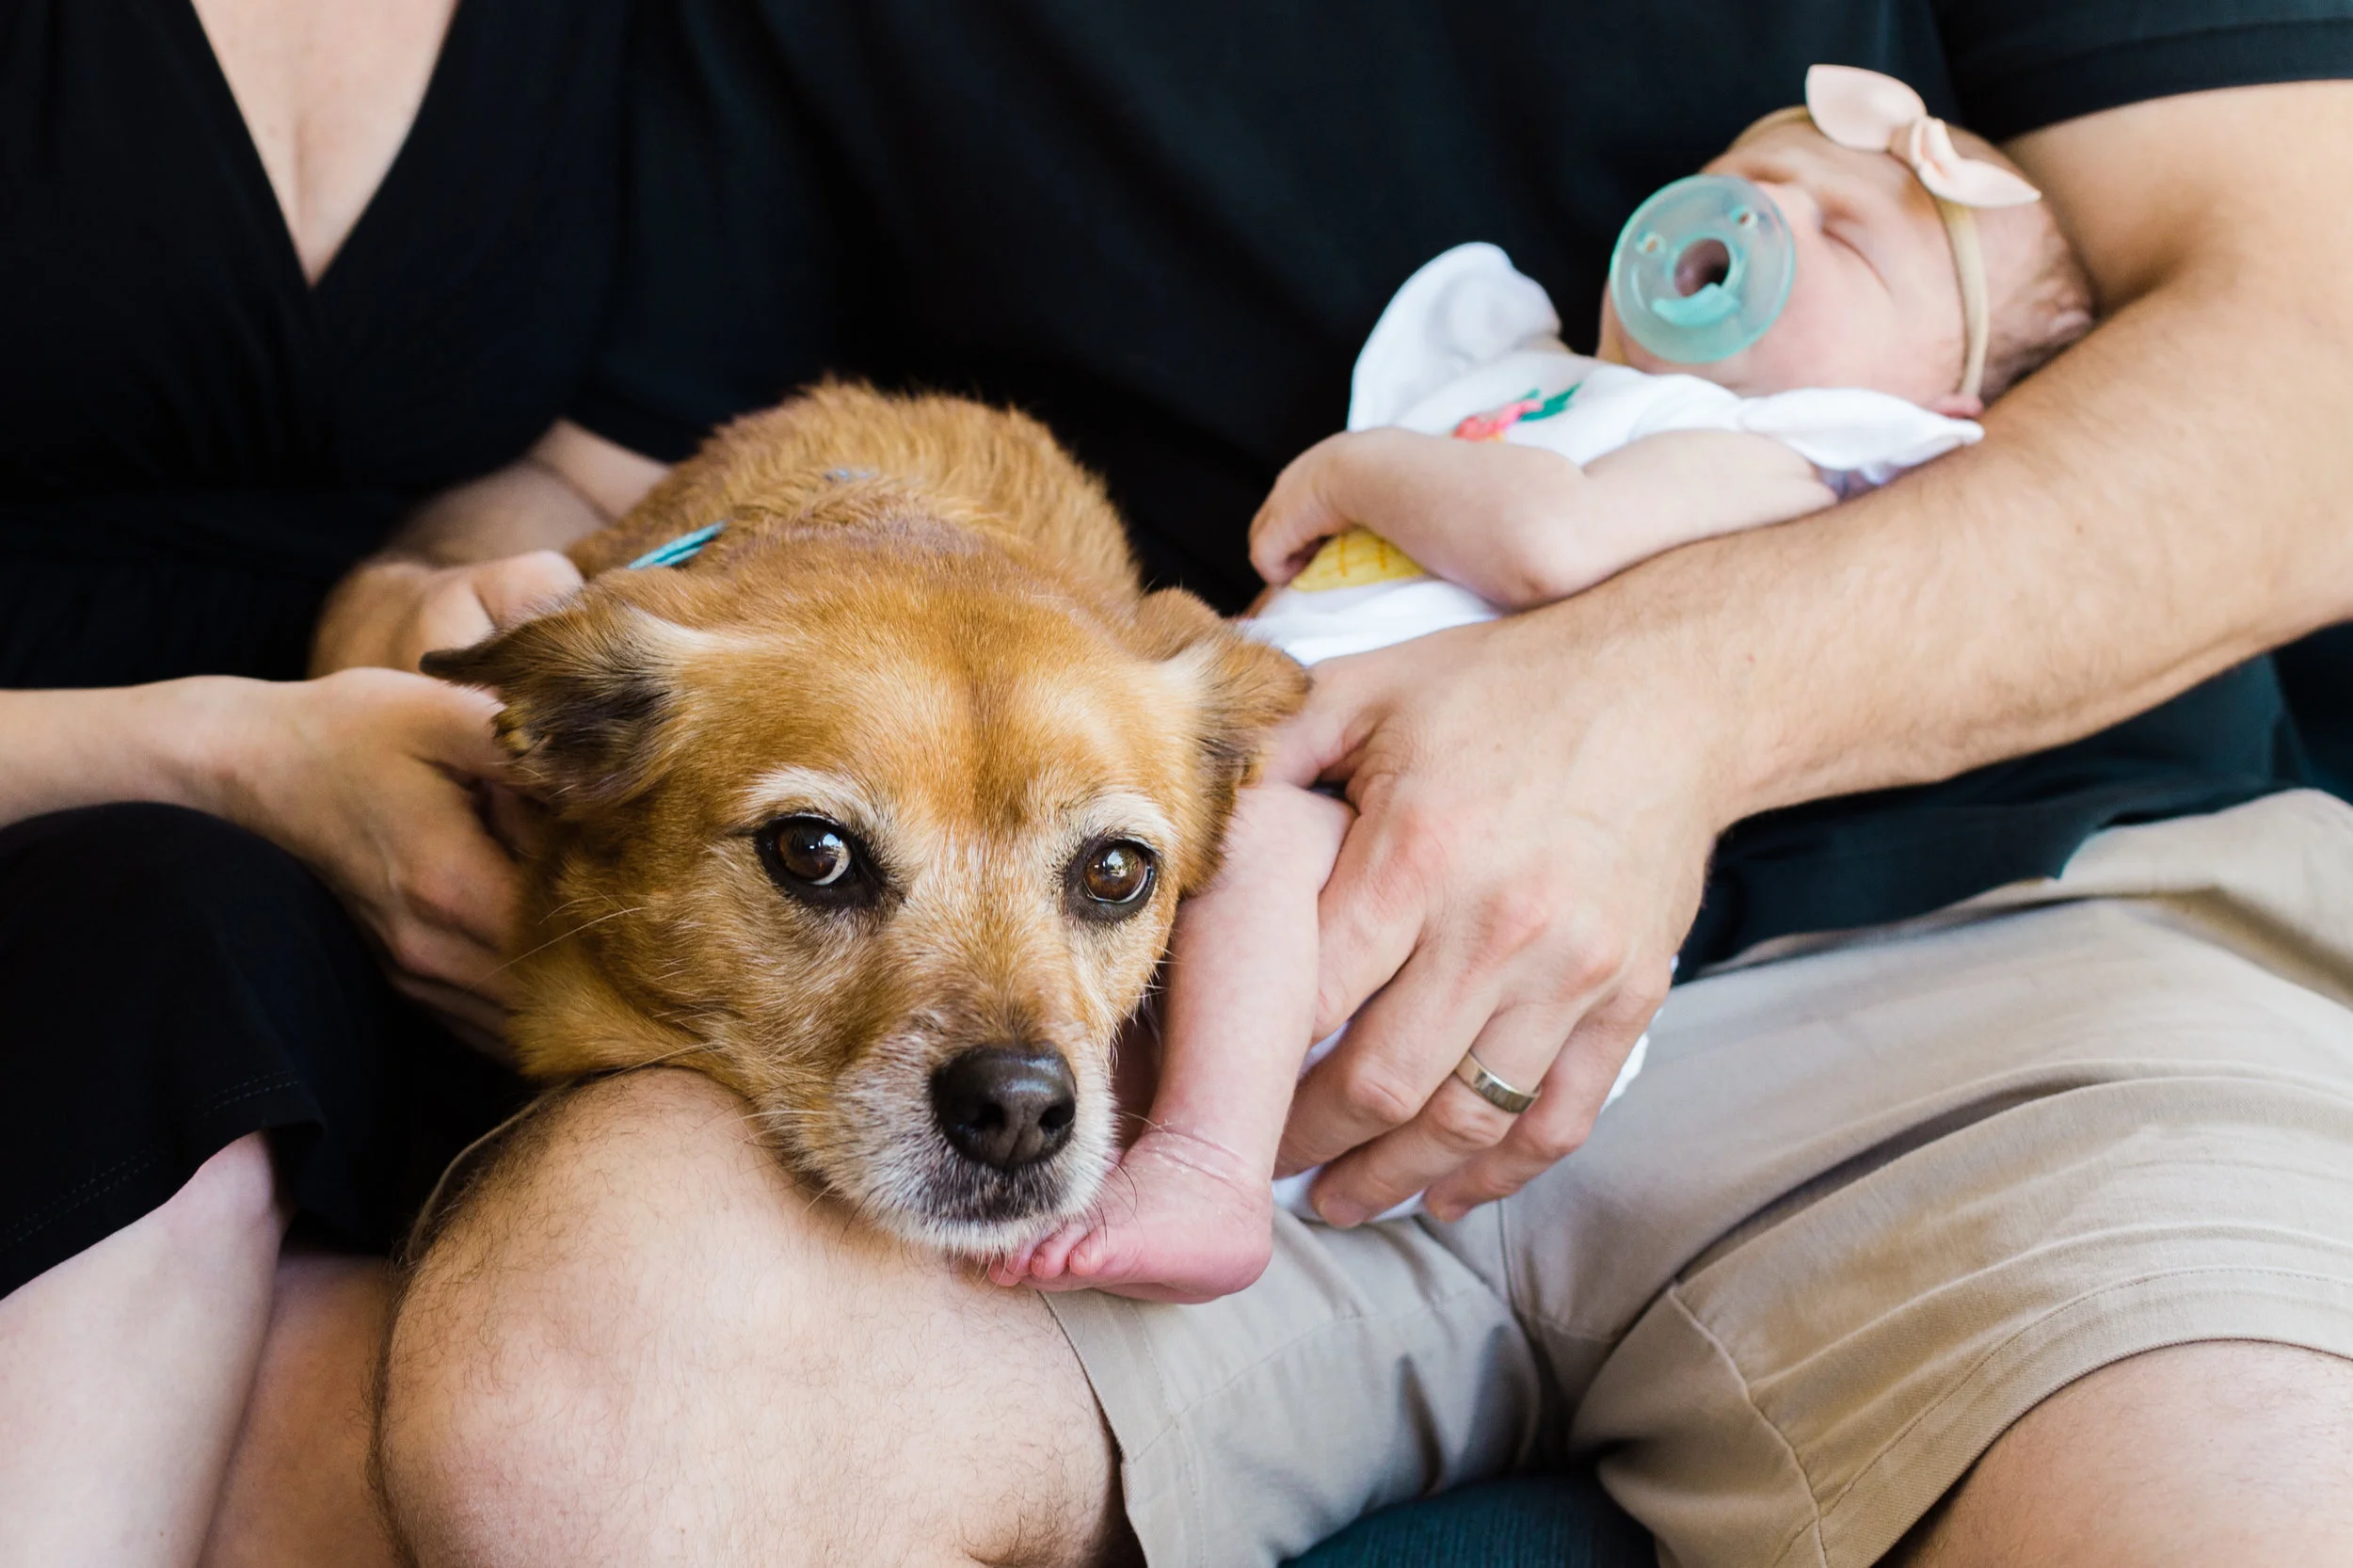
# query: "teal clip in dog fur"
{"points": [[681, 549]]}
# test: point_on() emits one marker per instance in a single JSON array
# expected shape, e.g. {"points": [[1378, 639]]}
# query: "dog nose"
{"points": [[1005, 1107]]}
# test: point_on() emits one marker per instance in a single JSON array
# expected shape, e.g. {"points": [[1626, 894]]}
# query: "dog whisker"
{"points": [[567, 936]]}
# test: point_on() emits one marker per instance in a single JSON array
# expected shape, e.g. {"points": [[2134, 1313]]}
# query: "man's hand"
{"points": [[373, 779], [390, 613], [1529, 850]]}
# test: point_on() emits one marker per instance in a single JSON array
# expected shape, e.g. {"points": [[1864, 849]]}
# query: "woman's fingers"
{"points": [[460, 884], [479, 1023], [452, 728], [521, 586], [460, 605], [447, 872], [448, 613], [370, 775]]}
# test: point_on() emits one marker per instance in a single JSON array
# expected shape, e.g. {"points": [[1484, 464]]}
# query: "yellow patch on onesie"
{"points": [[1354, 559]]}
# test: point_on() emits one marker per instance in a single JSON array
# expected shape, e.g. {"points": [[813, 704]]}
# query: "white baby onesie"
{"points": [[1471, 347]]}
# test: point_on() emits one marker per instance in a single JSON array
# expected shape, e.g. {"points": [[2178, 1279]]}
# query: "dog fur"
{"points": [[922, 623]]}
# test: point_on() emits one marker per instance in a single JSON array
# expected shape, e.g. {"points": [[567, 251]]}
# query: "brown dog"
{"points": [[878, 808]]}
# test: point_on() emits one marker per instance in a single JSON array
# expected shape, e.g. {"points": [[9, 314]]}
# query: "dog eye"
{"points": [[1111, 880], [812, 858]]}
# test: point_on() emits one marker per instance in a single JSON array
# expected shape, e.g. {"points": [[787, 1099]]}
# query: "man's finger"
{"points": [[1454, 1126], [1562, 1118], [1314, 743], [1370, 918], [1381, 1075]]}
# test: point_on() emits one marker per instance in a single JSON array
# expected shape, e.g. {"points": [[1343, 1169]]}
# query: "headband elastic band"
{"points": [[1976, 314]]}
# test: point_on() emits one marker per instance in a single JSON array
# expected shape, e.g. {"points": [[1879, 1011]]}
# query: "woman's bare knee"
{"points": [[638, 1329], [124, 1367], [296, 1485]]}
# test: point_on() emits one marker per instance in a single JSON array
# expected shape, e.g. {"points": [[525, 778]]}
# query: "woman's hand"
{"points": [[377, 780], [390, 614], [466, 562], [1536, 798]]}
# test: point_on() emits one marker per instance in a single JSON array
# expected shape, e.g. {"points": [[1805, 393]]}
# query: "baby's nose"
{"points": [[1006, 1106]]}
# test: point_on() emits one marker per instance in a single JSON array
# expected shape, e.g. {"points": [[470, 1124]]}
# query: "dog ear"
{"points": [[1243, 691], [590, 695]]}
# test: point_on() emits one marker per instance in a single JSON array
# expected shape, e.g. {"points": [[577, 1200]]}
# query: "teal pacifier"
{"points": [[1701, 269]]}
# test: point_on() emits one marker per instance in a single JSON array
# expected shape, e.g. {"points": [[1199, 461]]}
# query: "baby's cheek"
{"points": [[1823, 334]]}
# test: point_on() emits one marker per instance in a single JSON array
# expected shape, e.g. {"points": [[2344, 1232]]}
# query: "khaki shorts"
{"points": [[1870, 1202]]}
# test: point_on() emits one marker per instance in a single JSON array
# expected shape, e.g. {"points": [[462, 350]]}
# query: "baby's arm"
{"points": [[1522, 526], [1188, 1214]]}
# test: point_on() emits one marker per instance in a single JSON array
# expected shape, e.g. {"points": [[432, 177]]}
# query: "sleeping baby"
{"points": [[1830, 302]]}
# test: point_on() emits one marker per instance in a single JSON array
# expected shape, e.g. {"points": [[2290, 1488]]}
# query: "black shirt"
{"points": [[1166, 230], [195, 442]]}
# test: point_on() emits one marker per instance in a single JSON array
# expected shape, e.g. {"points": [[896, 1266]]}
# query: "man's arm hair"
{"points": [[2165, 500]]}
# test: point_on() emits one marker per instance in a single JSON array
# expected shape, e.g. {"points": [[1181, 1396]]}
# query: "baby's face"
{"points": [[1876, 302]]}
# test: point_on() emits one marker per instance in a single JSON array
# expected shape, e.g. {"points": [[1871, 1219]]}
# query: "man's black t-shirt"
{"points": [[1166, 231]]}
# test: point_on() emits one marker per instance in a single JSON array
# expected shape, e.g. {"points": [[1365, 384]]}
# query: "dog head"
{"points": [[884, 827]]}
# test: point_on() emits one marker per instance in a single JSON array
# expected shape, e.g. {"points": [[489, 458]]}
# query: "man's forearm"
{"points": [[2164, 501]]}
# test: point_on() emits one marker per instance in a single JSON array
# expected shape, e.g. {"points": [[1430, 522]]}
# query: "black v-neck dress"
{"points": [[194, 444]]}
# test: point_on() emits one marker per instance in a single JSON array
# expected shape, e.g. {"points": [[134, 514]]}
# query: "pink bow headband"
{"points": [[1870, 113], [1867, 112]]}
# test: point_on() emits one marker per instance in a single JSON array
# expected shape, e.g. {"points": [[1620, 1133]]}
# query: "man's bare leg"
{"points": [[639, 1343], [2233, 1453]]}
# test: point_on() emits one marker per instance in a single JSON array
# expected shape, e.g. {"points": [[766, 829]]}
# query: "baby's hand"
{"points": [[1180, 1220], [1494, 517]]}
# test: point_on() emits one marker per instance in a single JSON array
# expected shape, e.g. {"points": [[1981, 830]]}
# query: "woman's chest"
{"points": [[159, 323], [327, 91]]}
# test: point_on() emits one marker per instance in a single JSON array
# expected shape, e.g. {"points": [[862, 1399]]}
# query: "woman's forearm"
{"points": [[479, 551], [160, 742]]}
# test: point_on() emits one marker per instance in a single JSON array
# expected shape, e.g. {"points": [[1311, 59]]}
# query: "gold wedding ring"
{"points": [[1480, 1081]]}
